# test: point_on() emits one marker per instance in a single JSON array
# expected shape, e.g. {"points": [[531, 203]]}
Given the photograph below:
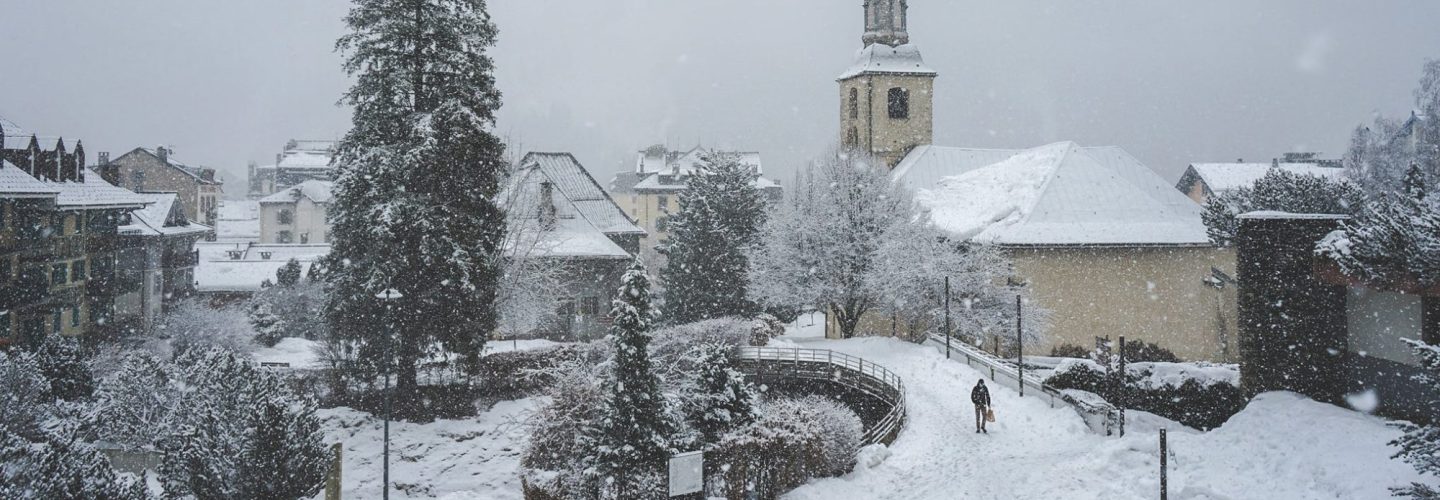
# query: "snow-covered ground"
{"points": [[476, 458], [1282, 446]]}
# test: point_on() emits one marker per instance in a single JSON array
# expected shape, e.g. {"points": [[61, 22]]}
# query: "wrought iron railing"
{"points": [[851, 371]]}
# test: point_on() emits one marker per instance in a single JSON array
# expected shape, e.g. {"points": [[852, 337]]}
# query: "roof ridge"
{"points": [[1054, 172]]}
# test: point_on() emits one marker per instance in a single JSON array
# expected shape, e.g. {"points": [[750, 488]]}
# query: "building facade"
{"points": [[650, 193], [156, 262], [58, 242], [1203, 180], [298, 214], [300, 161], [156, 170]]}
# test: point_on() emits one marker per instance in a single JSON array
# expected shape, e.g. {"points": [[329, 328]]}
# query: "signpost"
{"points": [[687, 473]]}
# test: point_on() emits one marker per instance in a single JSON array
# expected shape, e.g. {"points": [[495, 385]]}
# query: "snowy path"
{"points": [[1275, 449]]}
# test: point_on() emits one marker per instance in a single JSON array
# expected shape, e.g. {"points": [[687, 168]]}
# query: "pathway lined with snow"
{"points": [[1282, 446]]}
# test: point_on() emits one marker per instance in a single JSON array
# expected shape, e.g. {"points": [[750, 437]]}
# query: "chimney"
{"points": [[547, 205], [207, 174], [163, 153], [108, 171]]}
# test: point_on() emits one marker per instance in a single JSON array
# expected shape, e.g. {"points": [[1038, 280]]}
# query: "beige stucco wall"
{"points": [[890, 139], [1156, 294], [646, 209], [309, 217]]}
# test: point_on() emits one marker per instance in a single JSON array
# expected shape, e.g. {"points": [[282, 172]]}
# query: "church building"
{"points": [[1105, 244]]}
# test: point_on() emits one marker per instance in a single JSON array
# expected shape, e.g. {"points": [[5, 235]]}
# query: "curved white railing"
{"points": [[847, 370]]}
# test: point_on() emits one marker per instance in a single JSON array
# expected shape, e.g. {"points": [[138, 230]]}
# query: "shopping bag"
{"points": [[989, 414]]}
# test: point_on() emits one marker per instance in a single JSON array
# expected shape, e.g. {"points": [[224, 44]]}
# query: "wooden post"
{"points": [[1120, 395], [332, 479], [1164, 470], [947, 317]]}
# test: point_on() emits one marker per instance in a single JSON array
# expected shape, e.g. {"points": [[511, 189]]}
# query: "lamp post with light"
{"points": [[389, 295]]}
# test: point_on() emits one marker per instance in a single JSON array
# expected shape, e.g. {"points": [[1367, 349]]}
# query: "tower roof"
{"points": [[886, 22], [879, 58]]}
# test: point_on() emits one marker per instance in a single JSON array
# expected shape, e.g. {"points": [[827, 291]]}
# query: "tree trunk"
{"points": [[846, 320]]}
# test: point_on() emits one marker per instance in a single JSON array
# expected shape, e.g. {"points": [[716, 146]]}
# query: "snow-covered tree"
{"points": [[416, 178], [531, 281], [821, 246], [135, 406], [289, 274], [721, 213], [231, 413], [1279, 190], [908, 279], [723, 400], [1420, 446], [193, 324], [61, 466], [1394, 242], [634, 431], [22, 394], [1380, 154], [291, 308], [269, 327], [63, 367]]}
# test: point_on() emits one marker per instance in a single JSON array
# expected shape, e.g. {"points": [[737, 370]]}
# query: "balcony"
{"points": [[181, 260]]}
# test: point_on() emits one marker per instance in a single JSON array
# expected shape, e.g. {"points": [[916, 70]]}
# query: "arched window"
{"points": [[852, 137], [854, 104], [899, 100]]}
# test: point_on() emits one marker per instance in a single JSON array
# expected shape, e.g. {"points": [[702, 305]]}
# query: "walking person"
{"points": [[980, 395]]}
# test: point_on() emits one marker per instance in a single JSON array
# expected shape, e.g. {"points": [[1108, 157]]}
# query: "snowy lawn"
{"points": [[1282, 446], [448, 459]]}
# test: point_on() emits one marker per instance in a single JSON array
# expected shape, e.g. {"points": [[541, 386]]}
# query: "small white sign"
{"points": [[687, 473]]}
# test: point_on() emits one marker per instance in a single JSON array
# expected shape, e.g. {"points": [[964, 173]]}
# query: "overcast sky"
{"points": [[227, 82]]}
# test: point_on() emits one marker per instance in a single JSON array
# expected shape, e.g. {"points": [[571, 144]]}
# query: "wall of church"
{"points": [[870, 126], [1155, 294]]}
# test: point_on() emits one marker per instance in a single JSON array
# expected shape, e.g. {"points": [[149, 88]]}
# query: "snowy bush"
{"points": [[1393, 243], [1199, 395], [1420, 446], [193, 324], [669, 344], [60, 466], [135, 406], [22, 394], [793, 441], [64, 369], [296, 309], [1279, 190]]}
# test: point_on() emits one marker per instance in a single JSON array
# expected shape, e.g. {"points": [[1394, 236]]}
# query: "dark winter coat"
{"points": [[980, 395]]}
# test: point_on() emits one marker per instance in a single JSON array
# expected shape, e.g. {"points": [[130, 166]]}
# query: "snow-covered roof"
{"points": [[880, 58], [16, 183], [305, 160], [658, 160], [316, 190], [161, 217], [194, 172], [1222, 177], [580, 188], [1275, 214], [95, 193], [665, 182], [1059, 194], [238, 210], [572, 236], [216, 272]]}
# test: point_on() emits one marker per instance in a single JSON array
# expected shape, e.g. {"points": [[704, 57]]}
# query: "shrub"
{"points": [[792, 442], [1140, 351], [1069, 351], [1194, 402]]}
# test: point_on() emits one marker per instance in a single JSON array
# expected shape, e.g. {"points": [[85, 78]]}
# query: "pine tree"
{"points": [[289, 274], [721, 213], [60, 467], [1394, 242], [1279, 190], [64, 369], [269, 327], [634, 432], [1420, 446], [725, 400], [415, 185], [136, 406]]}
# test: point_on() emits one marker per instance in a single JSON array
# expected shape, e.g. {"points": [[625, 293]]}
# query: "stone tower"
{"points": [[887, 96]]}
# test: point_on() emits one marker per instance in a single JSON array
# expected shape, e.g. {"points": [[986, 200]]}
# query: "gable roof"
{"points": [[571, 236], [193, 172], [880, 58], [316, 190], [1055, 195], [580, 188], [659, 160], [94, 193], [1222, 177], [163, 217]]}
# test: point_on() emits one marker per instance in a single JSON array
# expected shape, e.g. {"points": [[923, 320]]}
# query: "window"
{"points": [[57, 225], [284, 237], [77, 270], [75, 316], [304, 238], [57, 320], [285, 216], [663, 202], [899, 103], [852, 137], [854, 104], [57, 274], [589, 306]]}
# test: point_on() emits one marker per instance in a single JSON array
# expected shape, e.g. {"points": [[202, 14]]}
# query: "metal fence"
{"points": [[1099, 417], [850, 371]]}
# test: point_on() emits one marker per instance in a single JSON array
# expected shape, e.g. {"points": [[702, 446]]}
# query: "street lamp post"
{"points": [[389, 295]]}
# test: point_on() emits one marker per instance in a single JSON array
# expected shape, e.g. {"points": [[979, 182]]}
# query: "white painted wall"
{"points": [[1378, 320]]}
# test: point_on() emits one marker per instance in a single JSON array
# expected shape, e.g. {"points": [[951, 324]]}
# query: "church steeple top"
{"points": [[886, 22]]}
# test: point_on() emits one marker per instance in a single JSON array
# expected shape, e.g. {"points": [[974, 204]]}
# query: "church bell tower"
{"points": [[887, 96]]}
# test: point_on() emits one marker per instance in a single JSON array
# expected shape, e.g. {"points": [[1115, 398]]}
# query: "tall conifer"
{"points": [[721, 213]]}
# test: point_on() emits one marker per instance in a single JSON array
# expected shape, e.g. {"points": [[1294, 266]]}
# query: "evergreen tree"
{"points": [[634, 432], [135, 406], [60, 467], [63, 368], [1283, 191], [725, 401], [269, 327], [1394, 242], [415, 184], [721, 213], [289, 274], [1420, 446]]}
